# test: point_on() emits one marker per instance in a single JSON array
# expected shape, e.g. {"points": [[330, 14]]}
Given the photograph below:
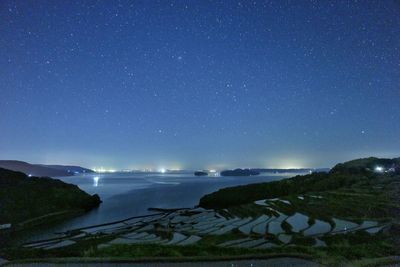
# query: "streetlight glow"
{"points": [[379, 168]]}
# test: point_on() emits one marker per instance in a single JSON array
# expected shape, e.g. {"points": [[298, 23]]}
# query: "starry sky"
{"points": [[199, 84]]}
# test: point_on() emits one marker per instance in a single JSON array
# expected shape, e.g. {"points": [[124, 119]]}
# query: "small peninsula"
{"points": [[42, 169], [29, 201]]}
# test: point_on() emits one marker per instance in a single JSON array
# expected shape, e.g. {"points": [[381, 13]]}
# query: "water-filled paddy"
{"points": [[189, 226], [298, 222]]}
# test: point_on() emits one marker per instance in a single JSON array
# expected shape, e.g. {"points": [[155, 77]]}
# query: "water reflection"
{"points": [[96, 181]]}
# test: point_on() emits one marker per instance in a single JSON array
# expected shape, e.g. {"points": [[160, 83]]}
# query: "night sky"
{"points": [[199, 84]]}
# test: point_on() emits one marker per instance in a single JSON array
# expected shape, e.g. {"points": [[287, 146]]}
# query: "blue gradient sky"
{"points": [[199, 84]]}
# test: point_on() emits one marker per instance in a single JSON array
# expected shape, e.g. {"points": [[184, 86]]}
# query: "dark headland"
{"points": [[42, 169], [30, 201]]}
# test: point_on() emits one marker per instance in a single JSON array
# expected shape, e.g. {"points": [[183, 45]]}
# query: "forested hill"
{"points": [[367, 171], [24, 198]]}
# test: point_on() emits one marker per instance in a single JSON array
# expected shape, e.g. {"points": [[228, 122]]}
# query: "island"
{"points": [[200, 173], [239, 172]]}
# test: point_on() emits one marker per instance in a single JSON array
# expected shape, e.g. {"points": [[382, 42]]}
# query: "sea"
{"points": [[128, 194]]}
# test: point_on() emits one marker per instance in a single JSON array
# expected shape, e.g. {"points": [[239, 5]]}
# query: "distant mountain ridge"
{"points": [[239, 172], [291, 170], [257, 171], [68, 168], [42, 169]]}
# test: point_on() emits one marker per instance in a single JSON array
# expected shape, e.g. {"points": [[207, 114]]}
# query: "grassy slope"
{"points": [[353, 174], [347, 248]]}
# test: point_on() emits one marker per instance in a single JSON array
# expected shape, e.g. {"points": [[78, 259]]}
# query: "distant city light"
{"points": [[96, 181], [162, 170], [379, 169], [102, 170]]}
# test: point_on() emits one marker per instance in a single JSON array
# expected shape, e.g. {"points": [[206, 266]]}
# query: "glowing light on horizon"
{"points": [[286, 162], [162, 170], [102, 170]]}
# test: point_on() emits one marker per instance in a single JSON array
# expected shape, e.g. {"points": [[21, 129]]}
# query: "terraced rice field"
{"points": [[190, 226]]}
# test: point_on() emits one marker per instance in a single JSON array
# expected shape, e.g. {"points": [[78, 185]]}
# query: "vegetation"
{"points": [[345, 248], [144, 251], [24, 199], [367, 165], [345, 175]]}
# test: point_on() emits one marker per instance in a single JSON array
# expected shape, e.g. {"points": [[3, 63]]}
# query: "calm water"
{"points": [[130, 194]]}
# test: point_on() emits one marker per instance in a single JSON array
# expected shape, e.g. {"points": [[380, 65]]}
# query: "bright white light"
{"points": [[162, 170], [102, 170], [96, 181], [29, 175], [213, 171], [379, 169]]}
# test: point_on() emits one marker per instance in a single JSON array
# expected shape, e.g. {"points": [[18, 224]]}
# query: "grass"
{"points": [[76, 250], [372, 262], [357, 246], [333, 256], [218, 239], [249, 210]]}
